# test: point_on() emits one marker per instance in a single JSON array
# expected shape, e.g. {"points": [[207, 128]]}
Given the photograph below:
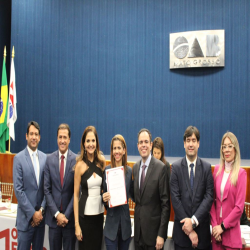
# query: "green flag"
{"points": [[4, 130]]}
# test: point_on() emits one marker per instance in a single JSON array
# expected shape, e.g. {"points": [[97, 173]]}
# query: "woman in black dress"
{"points": [[89, 209]]}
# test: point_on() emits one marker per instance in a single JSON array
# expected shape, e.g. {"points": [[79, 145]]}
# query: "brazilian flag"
{"points": [[4, 130]]}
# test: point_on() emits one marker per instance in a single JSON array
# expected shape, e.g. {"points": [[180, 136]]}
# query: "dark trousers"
{"points": [[141, 245], [60, 236], [92, 232], [118, 243], [34, 235]]}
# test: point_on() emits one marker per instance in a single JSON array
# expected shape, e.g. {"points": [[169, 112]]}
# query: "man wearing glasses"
{"points": [[152, 199], [192, 196]]}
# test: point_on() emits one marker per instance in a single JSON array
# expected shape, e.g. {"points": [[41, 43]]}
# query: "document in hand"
{"points": [[116, 186]]}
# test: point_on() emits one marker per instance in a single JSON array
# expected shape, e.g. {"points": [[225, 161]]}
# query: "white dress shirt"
{"points": [[193, 219], [65, 160], [189, 168], [147, 162], [37, 161]]}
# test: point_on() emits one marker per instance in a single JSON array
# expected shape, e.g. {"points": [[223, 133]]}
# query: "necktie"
{"points": [[35, 167], [192, 176], [62, 169], [142, 177]]}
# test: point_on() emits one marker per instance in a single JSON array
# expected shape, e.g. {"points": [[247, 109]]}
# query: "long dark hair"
{"points": [[158, 143], [97, 155]]}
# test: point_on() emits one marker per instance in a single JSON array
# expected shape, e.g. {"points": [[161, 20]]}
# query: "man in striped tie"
{"points": [[191, 188]]}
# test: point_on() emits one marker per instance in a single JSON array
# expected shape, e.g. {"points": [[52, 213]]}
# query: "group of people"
{"points": [[68, 192]]}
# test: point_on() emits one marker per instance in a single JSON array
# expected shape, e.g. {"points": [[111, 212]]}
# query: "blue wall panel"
{"points": [[106, 63], [5, 31]]}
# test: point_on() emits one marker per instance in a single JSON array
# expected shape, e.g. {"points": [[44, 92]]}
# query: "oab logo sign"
{"points": [[204, 48]]}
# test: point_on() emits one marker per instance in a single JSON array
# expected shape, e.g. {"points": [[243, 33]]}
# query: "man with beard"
{"points": [[28, 178]]}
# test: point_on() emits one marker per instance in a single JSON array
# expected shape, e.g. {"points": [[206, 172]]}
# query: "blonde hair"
{"points": [[124, 157], [97, 154], [236, 163]]}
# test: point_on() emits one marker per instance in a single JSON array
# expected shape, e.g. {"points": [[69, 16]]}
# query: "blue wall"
{"points": [[5, 31], [106, 63]]}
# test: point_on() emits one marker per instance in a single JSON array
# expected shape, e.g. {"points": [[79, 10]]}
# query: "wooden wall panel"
{"points": [[6, 170]]}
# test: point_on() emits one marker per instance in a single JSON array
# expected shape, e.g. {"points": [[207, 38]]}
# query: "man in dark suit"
{"points": [[192, 196], [28, 174], [59, 190], [151, 194]]}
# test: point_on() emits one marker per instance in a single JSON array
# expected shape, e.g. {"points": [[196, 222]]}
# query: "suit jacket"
{"points": [[152, 209], [30, 196], [168, 171], [55, 193], [187, 203], [243, 219], [232, 205], [119, 215]]}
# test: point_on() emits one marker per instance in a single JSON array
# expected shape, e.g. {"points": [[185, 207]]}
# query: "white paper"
{"points": [[245, 236], [244, 229], [116, 186], [132, 227]]}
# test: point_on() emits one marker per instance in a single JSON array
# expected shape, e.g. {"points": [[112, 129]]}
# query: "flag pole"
{"points": [[13, 55], [4, 56]]}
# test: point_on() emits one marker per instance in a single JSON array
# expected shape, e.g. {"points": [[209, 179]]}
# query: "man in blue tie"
{"points": [[28, 178], [59, 192], [192, 196]]}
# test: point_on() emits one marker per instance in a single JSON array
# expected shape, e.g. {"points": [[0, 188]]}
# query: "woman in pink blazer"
{"points": [[229, 196]]}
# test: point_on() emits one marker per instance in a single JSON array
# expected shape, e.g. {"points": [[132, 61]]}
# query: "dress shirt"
{"points": [[189, 168], [37, 160], [65, 160], [222, 187], [147, 162], [228, 168], [194, 219]]}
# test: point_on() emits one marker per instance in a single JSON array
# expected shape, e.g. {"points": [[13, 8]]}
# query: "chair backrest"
{"points": [[247, 209], [131, 207], [7, 190]]}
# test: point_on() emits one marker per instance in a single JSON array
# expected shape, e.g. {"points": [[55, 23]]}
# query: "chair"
{"points": [[7, 190], [131, 208], [247, 209]]}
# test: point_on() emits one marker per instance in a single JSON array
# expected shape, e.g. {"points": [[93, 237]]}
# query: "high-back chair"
{"points": [[247, 209], [131, 207], [7, 191]]}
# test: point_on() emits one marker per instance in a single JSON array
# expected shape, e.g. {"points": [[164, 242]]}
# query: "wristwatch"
{"points": [[222, 226], [42, 210], [193, 223]]}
